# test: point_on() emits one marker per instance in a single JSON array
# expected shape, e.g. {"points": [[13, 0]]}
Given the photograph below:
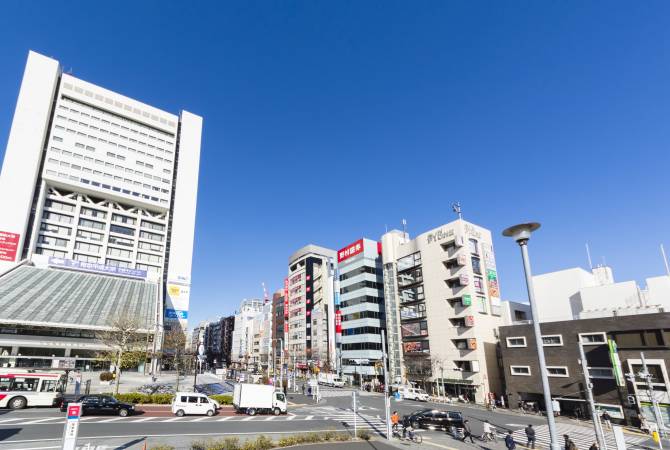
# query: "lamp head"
{"points": [[521, 232]]}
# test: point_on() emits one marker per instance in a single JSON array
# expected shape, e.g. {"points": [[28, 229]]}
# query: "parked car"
{"points": [[193, 403], [101, 404], [434, 419]]}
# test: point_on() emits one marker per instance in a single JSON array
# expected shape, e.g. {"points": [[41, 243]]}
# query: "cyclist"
{"points": [[488, 433]]}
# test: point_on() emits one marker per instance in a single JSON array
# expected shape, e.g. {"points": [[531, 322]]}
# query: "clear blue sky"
{"points": [[326, 121]]}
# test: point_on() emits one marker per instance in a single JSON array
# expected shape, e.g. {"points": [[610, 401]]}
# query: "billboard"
{"points": [[96, 268], [177, 300], [350, 250], [9, 244], [494, 289], [176, 314]]}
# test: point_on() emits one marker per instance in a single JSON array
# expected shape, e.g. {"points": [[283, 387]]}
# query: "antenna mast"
{"points": [[456, 207], [665, 261], [588, 255], [404, 226]]}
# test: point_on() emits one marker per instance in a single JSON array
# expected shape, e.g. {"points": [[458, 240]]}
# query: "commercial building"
{"points": [[261, 329], [577, 293], [198, 336], [612, 347], [360, 317], [443, 308], [219, 341], [243, 333], [278, 324], [94, 182], [310, 339]]}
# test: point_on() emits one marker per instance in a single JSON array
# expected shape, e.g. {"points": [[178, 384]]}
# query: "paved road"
{"points": [[42, 428]]}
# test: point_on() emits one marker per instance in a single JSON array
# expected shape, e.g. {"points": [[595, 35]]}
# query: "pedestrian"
{"points": [[509, 441], [395, 419], [467, 431], [530, 435], [569, 444], [309, 390], [606, 420], [644, 425], [594, 446], [303, 389]]}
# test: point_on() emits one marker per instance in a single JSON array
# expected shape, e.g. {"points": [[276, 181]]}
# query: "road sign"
{"points": [[71, 426]]}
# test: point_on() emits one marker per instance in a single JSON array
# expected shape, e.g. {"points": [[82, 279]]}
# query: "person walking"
{"points": [[594, 446], [467, 431], [509, 441], [395, 419], [530, 436], [644, 425], [607, 420], [569, 443]]}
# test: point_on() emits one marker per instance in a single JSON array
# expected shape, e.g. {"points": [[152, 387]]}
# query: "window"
{"points": [[153, 226], [149, 258], [473, 246], [519, 341], [151, 236], [520, 370], [89, 235], [57, 138], [479, 284], [60, 206], [557, 371], [111, 251], [56, 229], [601, 372], [554, 340], [592, 338], [148, 268], [149, 246], [123, 219], [476, 265], [412, 312], [409, 261], [85, 246], [57, 217], [90, 212], [482, 305], [48, 240], [410, 277], [122, 230], [86, 258], [412, 294], [50, 252], [117, 263], [91, 224], [120, 241]]}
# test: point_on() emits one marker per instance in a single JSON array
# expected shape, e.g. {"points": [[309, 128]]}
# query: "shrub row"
{"points": [[265, 443], [163, 399]]}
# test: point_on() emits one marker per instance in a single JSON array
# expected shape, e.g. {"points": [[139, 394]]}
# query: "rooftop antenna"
{"points": [[604, 261], [456, 207], [588, 255], [404, 226], [665, 261]]}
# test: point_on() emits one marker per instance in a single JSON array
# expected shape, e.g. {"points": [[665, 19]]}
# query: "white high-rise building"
{"points": [[243, 332], [96, 181]]}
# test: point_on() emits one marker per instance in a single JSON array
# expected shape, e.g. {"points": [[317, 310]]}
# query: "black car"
{"points": [[434, 419], [102, 404]]}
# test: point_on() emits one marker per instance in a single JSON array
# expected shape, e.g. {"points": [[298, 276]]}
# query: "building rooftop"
{"points": [[69, 299]]}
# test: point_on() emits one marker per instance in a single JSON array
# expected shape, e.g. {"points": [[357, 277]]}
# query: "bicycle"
{"points": [[489, 436], [408, 434]]}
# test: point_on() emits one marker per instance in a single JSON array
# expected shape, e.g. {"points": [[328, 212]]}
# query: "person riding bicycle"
{"points": [[408, 431], [488, 430]]}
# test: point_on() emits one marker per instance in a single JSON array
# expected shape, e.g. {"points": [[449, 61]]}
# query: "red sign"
{"points": [[9, 243], [73, 411], [286, 307], [338, 322], [350, 250]]}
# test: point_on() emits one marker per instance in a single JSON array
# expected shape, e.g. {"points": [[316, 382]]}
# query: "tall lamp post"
{"points": [[521, 234]]}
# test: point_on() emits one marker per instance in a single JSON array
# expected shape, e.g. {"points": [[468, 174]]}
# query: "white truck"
{"points": [[330, 379], [258, 398]]}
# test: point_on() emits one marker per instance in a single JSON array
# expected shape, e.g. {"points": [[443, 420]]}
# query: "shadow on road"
{"points": [[6, 433]]}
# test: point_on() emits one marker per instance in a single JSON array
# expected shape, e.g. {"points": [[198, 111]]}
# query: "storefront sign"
{"points": [[350, 250], [466, 300], [9, 243], [338, 322], [439, 235], [71, 426], [96, 268], [469, 321]]}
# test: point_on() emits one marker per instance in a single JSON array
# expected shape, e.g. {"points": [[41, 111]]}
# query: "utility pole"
{"points": [[387, 400], [654, 404], [597, 425]]}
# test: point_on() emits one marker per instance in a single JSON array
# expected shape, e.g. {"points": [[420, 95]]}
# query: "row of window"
{"points": [[363, 315], [552, 371], [357, 271], [362, 346], [128, 170], [94, 259], [62, 218], [361, 299], [361, 285], [111, 251], [556, 340], [360, 330]]}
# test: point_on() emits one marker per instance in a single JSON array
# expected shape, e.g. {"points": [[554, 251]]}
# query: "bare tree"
{"points": [[125, 343], [418, 369], [174, 351]]}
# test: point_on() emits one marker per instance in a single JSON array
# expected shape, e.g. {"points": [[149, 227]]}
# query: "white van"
{"points": [[411, 393], [193, 403]]}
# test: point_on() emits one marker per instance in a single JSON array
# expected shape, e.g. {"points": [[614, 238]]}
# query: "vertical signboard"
{"points": [[9, 244], [494, 290], [616, 362], [71, 426], [286, 313], [177, 299]]}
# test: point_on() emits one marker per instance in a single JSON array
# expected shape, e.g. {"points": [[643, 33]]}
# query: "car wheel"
{"points": [[276, 411], [123, 412], [180, 413], [210, 412], [251, 411], [18, 403]]}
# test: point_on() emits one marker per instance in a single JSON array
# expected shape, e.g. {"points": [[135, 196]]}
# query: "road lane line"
{"points": [[199, 419], [270, 418], [223, 419], [113, 419], [291, 417], [309, 417], [143, 419], [174, 419], [32, 422], [11, 420], [247, 418]]}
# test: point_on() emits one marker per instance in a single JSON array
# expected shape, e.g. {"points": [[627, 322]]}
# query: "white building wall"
{"points": [[24, 151], [658, 289], [558, 293]]}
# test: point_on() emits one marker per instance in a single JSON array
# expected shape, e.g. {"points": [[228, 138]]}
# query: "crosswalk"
{"points": [[312, 414], [582, 436]]}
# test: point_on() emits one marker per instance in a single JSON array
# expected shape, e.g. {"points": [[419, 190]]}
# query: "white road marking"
{"points": [[114, 419], [309, 417], [199, 419], [270, 418], [291, 417], [172, 420], [247, 418], [32, 422], [143, 419]]}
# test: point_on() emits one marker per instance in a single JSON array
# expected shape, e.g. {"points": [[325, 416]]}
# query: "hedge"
{"points": [[163, 399]]}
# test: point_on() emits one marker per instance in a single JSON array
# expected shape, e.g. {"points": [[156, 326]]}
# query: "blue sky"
{"points": [[326, 121]]}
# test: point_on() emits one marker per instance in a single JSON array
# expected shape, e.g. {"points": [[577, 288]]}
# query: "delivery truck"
{"points": [[330, 379], [258, 398]]}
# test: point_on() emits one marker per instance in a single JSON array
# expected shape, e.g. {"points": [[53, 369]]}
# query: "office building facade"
{"points": [[243, 332], [310, 339], [360, 317], [443, 308]]}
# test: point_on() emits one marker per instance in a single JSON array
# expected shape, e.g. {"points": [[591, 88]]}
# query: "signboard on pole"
{"points": [[71, 426]]}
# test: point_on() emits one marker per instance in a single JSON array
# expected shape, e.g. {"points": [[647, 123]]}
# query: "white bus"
{"points": [[22, 387]]}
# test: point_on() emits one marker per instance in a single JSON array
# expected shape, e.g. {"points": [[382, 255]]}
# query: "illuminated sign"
{"points": [[350, 250]]}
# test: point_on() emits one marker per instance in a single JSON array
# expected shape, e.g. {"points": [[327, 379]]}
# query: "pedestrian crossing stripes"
{"points": [[582, 436], [347, 418]]}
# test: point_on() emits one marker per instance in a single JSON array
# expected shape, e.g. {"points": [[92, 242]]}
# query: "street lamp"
{"points": [[521, 234]]}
